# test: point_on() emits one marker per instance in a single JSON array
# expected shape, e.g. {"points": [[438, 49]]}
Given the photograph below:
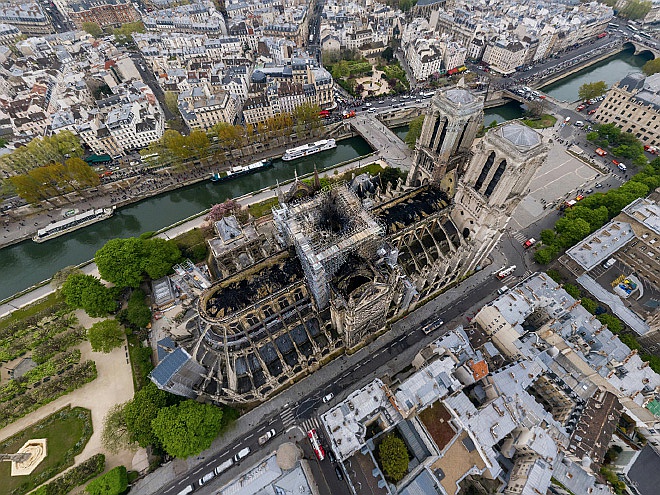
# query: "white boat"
{"points": [[75, 222], [308, 149]]}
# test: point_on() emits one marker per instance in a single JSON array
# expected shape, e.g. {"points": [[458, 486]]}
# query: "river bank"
{"points": [[43, 288], [22, 223]]}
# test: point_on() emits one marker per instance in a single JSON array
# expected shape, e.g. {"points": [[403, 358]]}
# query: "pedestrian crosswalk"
{"points": [[312, 424], [520, 237], [288, 417]]}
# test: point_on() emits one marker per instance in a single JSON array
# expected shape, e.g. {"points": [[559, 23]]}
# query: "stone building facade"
{"points": [[336, 264]]}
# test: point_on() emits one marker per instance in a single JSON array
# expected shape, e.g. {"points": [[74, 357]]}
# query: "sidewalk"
{"points": [[245, 200], [154, 482]]}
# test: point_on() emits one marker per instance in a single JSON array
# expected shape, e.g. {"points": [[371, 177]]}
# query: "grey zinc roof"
{"points": [[520, 135], [168, 367], [601, 244], [460, 96]]}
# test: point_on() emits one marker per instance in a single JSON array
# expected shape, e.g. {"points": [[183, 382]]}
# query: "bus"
{"points": [[612, 25], [316, 445], [633, 28]]}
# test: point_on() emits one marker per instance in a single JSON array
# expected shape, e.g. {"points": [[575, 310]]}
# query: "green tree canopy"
{"points": [[125, 262], [572, 231], [393, 456], [88, 293], [142, 410], [187, 428], [414, 131], [636, 9], [114, 482], [591, 90], [138, 313], [106, 335], [92, 28], [651, 67], [613, 323]]}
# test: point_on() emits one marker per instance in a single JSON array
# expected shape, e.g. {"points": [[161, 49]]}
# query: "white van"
{"points": [[502, 290], [622, 167], [579, 123], [187, 490]]}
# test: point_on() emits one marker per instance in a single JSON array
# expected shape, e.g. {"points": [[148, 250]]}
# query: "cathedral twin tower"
{"points": [[487, 178]]}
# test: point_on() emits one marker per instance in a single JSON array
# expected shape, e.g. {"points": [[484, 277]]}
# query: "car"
{"points": [[331, 456], [367, 105], [616, 162], [206, 478], [380, 102], [588, 191], [591, 112], [328, 397], [339, 474], [580, 108], [242, 454], [598, 185], [418, 100], [502, 290]]}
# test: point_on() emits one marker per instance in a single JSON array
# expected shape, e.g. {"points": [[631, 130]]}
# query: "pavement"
{"points": [[113, 385], [297, 408]]}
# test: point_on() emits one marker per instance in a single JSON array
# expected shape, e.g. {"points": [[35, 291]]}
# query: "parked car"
{"points": [[339, 474], [328, 397]]}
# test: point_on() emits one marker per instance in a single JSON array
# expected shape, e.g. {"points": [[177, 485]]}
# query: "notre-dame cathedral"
{"points": [[334, 265]]}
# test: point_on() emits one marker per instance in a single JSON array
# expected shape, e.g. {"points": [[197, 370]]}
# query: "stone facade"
{"points": [[336, 264]]}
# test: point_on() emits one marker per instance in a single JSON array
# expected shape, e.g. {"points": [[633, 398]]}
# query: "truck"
{"points": [[601, 152], [266, 436], [505, 272]]}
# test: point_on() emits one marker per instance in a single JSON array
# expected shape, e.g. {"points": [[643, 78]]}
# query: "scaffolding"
{"points": [[325, 229]]}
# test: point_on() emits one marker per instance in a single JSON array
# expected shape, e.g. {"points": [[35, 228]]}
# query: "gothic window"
{"points": [[460, 139], [485, 170], [496, 178], [435, 130], [442, 135]]}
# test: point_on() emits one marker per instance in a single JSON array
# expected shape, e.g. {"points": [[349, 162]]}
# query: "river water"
{"points": [[28, 263], [610, 70]]}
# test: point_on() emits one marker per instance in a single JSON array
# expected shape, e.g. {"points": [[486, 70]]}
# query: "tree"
{"points": [[591, 90], [414, 131], [124, 34], [613, 323], [221, 210], [546, 254], [636, 9], [393, 456], [142, 410], [160, 255], [88, 293], [121, 261], [114, 482], [105, 335], [187, 428], [92, 28], [572, 290], [388, 53], [115, 436], [138, 313], [60, 277], [651, 67], [124, 262], [571, 231]]}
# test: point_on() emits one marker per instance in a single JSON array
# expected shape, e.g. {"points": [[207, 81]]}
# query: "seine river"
{"points": [[28, 263]]}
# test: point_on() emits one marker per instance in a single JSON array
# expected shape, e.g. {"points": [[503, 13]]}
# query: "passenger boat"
{"points": [[71, 223], [241, 170], [309, 149]]}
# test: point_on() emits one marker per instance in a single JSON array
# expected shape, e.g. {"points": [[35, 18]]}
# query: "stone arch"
{"points": [[484, 171], [496, 178], [644, 51]]}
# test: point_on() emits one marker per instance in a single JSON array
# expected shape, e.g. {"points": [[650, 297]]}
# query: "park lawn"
{"points": [[543, 122], [262, 208], [67, 432], [192, 244]]}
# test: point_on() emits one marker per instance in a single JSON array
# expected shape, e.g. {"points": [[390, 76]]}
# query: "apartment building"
{"points": [[105, 13], [633, 104], [26, 15], [504, 56], [202, 109]]}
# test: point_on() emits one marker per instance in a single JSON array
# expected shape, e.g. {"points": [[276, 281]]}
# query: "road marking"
{"points": [[169, 489], [195, 472], [249, 436]]}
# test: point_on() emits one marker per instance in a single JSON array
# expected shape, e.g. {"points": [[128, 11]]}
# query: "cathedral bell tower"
{"points": [[495, 181], [450, 126]]}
